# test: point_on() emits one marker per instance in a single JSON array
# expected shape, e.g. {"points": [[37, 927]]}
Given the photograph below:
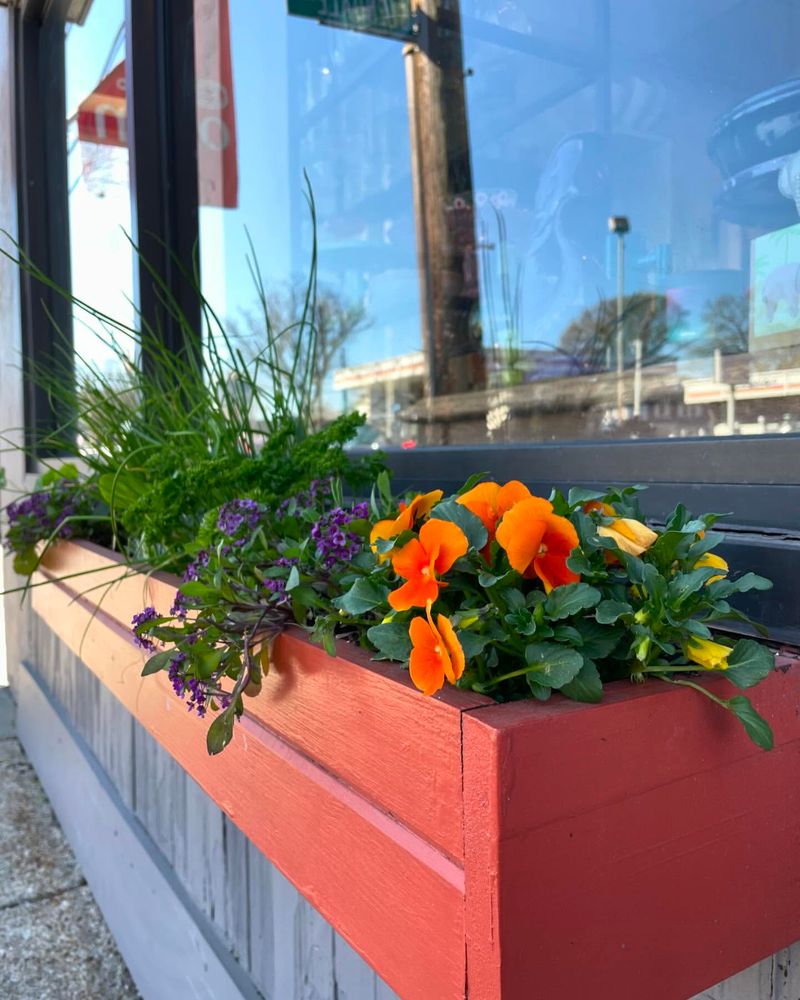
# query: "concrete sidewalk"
{"points": [[54, 943]]}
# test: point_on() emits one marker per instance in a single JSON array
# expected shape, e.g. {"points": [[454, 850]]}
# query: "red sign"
{"points": [[216, 114], [102, 116]]}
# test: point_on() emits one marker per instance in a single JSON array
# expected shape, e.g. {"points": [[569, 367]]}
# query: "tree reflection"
{"points": [[649, 317]]}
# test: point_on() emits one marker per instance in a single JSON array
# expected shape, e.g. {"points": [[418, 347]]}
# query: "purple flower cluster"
{"points": [[179, 605], [147, 615], [275, 584], [336, 543], [318, 490], [199, 692], [236, 515], [33, 517], [192, 571]]}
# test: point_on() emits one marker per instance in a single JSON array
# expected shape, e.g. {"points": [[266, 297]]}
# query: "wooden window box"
{"points": [[641, 847]]}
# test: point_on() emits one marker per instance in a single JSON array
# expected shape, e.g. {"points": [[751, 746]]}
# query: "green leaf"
{"points": [[66, 471], [363, 596], [607, 612], [586, 686], [684, 584], [579, 495], [472, 526], [756, 727], [538, 691], [567, 634], [599, 641], [473, 643], [157, 662], [472, 482], [392, 640], [520, 621], [751, 581], [749, 663], [25, 562], [487, 580], [568, 600], [220, 733], [196, 589], [553, 665], [123, 489]]}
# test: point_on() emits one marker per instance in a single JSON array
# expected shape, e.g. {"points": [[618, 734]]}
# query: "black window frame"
{"points": [[754, 479]]}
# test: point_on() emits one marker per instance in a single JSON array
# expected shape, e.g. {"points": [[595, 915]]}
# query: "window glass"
{"points": [[101, 258], [537, 220]]}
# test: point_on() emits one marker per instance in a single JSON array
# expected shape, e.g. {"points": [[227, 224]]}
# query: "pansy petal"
{"points": [[426, 671], [444, 541], [512, 493], [410, 560], [423, 503], [421, 634], [453, 647], [521, 532], [382, 529], [414, 594]]}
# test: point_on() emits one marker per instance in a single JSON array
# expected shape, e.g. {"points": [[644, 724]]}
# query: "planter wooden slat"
{"points": [[640, 847]]}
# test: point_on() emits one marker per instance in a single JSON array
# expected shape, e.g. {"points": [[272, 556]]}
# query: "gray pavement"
{"points": [[54, 943]]}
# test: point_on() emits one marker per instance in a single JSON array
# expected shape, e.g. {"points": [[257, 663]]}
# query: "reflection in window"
{"points": [[538, 220], [99, 189]]}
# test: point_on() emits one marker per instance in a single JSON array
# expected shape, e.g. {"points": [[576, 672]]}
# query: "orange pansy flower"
{"points": [[489, 501], [422, 560], [538, 542], [436, 653], [421, 505]]}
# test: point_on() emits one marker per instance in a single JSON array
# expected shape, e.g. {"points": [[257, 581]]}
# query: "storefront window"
{"points": [[101, 258], [537, 220]]}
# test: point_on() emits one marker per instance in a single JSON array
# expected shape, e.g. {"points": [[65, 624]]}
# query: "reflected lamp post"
{"points": [[619, 225]]}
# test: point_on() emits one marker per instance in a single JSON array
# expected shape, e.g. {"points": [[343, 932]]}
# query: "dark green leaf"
{"points": [[157, 662], [599, 641], [197, 589], [683, 585], [553, 665], [580, 495], [568, 600], [756, 727], [749, 663], [391, 639], [607, 612], [473, 643], [220, 733], [514, 598], [474, 479], [472, 526], [568, 634], [586, 686], [539, 691], [363, 596], [520, 621], [751, 581]]}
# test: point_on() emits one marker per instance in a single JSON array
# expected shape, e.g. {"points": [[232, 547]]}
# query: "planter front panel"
{"points": [[640, 848], [394, 896], [363, 721]]}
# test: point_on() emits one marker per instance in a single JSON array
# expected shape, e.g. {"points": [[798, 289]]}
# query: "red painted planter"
{"points": [[639, 848]]}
